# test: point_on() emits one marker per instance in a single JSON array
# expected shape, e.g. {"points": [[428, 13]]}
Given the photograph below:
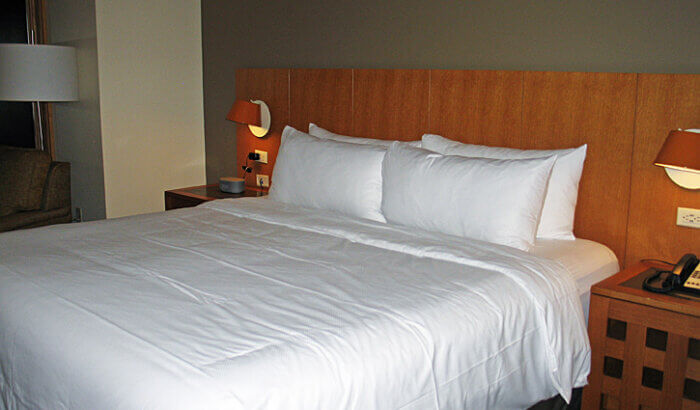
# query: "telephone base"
{"points": [[636, 283]]}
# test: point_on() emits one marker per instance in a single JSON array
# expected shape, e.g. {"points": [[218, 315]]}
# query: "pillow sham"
{"points": [[493, 200], [322, 133], [308, 173], [557, 220]]}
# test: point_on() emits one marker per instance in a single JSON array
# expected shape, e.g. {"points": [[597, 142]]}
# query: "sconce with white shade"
{"points": [[254, 113], [38, 73], [680, 157]]}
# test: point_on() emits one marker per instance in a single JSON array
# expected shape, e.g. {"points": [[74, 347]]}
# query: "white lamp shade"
{"points": [[32, 72]]}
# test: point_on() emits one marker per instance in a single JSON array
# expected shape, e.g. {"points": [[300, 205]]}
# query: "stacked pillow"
{"points": [[319, 132], [500, 195], [557, 221], [493, 200], [328, 174]]}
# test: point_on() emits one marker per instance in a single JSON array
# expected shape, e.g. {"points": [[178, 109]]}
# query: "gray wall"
{"points": [[77, 124], [610, 36]]}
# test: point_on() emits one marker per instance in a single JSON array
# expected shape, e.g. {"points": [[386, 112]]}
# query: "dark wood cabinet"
{"points": [[645, 347]]}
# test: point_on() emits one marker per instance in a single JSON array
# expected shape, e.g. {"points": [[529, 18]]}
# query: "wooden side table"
{"points": [[646, 352], [193, 196]]}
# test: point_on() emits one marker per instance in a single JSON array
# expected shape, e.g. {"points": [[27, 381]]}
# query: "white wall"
{"points": [[77, 124], [150, 85]]}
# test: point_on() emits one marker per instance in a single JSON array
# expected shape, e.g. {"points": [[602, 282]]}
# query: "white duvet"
{"points": [[249, 303]]}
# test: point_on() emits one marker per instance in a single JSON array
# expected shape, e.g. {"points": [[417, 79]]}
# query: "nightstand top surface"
{"points": [[613, 287], [211, 192]]}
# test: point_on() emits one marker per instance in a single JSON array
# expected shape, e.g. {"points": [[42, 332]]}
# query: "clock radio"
{"points": [[232, 185]]}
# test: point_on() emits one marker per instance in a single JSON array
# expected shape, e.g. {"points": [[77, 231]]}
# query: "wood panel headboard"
{"points": [[624, 201]]}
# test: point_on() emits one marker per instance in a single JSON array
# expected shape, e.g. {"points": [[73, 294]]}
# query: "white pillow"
{"points": [[328, 175], [557, 221], [493, 200], [319, 132]]}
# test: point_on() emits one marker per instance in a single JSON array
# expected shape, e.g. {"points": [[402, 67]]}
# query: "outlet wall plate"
{"points": [[262, 181], [263, 156], [688, 217]]}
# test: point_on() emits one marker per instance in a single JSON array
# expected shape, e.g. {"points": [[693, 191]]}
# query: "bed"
{"points": [[225, 306], [421, 279], [325, 295]]}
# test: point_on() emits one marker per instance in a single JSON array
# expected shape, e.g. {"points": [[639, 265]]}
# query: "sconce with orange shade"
{"points": [[254, 113], [680, 157]]}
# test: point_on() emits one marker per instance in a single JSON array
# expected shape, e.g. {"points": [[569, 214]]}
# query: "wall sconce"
{"points": [[253, 113], [680, 157]]}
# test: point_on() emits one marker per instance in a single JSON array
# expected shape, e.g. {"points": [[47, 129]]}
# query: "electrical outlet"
{"points": [[263, 156], [688, 217], [262, 180]]}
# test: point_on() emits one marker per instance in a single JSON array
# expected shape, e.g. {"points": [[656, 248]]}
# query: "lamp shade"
{"points": [[681, 150], [244, 112], [680, 156], [32, 72]]}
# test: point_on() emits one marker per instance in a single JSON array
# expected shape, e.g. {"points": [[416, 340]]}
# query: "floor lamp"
{"points": [[38, 73]]}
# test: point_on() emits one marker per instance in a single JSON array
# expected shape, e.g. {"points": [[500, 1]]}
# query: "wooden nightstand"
{"points": [[646, 352], [192, 196]]}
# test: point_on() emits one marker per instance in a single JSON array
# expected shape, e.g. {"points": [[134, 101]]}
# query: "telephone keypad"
{"points": [[694, 279]]}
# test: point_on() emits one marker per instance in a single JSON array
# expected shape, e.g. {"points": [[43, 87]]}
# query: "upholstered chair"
{"points": [[34, 191]]}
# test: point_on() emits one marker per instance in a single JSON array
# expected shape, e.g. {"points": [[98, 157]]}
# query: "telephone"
{"points": [[684, 276]]}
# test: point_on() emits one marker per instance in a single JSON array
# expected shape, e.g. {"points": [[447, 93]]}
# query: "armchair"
{"points": [[34, 191]]}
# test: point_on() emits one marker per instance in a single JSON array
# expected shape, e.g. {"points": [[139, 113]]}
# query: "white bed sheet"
{"points": [[248, 304], [588, 262]]}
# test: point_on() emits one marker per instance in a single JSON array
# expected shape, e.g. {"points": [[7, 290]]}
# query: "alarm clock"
{"points": [[232, 185]]}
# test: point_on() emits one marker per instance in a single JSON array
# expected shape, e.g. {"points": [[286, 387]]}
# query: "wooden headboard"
{"points": [[624, 202]]}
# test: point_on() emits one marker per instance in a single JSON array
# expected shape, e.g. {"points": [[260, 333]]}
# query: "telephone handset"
{"points": [[685, 275]]}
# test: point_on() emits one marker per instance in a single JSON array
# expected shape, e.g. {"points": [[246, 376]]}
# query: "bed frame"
{"points": [[625, 202]]}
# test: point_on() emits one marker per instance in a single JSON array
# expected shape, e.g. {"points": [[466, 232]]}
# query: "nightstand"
{"points": [[193, 196], [645, 347]]}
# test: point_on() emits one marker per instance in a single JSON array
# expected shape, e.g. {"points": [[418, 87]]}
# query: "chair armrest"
{"points": [[57, 188]]}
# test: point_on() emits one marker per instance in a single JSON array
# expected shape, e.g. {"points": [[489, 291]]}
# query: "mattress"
{"points": [[586, 261], [248, 303]]}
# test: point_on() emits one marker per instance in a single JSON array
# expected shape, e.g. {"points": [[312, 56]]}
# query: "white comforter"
{"points": [[248, 303]]}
